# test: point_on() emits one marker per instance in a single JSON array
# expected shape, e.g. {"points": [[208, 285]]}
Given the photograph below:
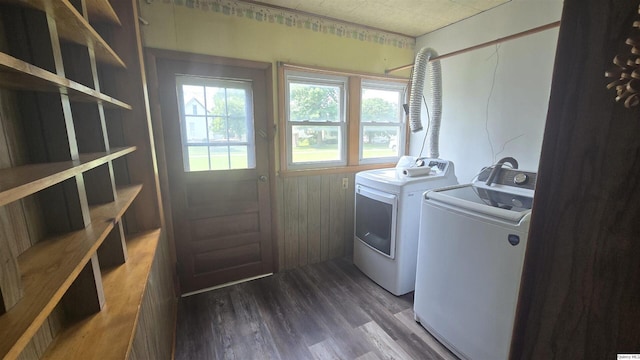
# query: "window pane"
{"points": [[237, 129], [237, 112], [196, 129], [216, 101], [311, 102], [380, 141], [198, 158], [193, 99], [239, 156], [230, 107], [219, 157], [218, 129], [380, 105], [315, 143]]}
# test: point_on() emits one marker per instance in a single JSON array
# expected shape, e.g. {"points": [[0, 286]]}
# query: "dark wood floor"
{"points": [[321, 311]]}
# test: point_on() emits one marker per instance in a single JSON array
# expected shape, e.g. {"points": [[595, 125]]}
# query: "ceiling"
{"points": [[407, 17]]}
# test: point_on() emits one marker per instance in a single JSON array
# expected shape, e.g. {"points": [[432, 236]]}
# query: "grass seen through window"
{"points": [[203, 158], [313, 153]]}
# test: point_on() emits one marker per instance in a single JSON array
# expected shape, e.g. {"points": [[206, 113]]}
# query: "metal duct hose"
{"points": [[435, 98]]}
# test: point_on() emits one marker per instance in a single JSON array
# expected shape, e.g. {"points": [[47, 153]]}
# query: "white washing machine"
{"points": [[470, 257], [387, 215]]}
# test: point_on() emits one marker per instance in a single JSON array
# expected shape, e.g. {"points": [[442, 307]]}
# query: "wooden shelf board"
{"points": [[113, 211], [48, 269], [21, 181], [109, 333], [102, 11], [20, 75], [74, 28]]}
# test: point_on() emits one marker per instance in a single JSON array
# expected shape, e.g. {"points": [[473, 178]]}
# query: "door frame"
{"points": [[152, 56]]}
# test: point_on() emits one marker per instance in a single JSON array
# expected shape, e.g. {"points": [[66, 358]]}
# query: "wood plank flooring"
{"points": [[321, 311]]}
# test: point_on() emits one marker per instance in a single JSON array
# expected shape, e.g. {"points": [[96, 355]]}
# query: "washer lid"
{"points": [[506, 205]]}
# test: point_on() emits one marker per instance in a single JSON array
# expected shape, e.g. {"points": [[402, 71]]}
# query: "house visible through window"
{"points": [[326, 128], [217, 123]]}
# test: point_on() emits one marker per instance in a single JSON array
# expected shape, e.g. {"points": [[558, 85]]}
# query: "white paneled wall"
{"points": [[494, 99]]}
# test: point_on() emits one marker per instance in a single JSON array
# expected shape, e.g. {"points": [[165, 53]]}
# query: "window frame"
{"points": [[342, 83], [352, 135], [249, 143], [401, 124]]}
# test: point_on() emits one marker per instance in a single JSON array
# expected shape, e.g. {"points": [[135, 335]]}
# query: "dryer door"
{"points": [[376, 219]]}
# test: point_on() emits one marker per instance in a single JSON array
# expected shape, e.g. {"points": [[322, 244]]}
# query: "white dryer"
{"points": [[470, 257], [387, 215]]}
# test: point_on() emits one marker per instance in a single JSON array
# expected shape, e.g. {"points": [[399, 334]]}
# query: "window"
{"points": [[381, 121], [316, 121], [216, 119], [334, 119]]}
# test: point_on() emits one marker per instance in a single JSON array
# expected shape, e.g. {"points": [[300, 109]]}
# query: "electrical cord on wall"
{"points": [[493, 83], [494, 154], [505, 144]]}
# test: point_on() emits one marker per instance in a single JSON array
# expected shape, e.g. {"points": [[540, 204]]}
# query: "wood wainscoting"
{"points": [[315, 221]]}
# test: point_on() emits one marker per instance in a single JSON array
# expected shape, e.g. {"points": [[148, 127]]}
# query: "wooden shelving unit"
{"points": [[110, 331], [72, 26], [48, 269], [80, 218], [20, 75], [101, 11], [22, 181]]}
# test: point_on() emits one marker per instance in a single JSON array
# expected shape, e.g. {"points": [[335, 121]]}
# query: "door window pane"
{"points": [[219, 157], [238, 157], [196, 129], [218, 129], [193, 99], [216, 115], [198, 158]]}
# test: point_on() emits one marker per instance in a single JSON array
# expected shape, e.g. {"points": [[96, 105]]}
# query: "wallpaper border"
{"points": [[296, 20]]}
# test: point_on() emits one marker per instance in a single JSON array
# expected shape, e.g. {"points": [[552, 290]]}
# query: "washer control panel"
{"points": [[441, 165], [511, 177]]}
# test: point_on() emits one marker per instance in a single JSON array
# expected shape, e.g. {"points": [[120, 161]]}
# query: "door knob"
{"points": [[263, 178]]}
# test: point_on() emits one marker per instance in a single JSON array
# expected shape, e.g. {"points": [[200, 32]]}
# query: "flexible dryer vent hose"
{"points": [[435, 98]]}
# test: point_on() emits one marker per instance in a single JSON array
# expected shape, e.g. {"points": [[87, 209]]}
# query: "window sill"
{"points": [[333, 170]]}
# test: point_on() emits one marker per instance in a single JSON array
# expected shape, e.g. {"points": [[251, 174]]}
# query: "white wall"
{"points": [[511, 110]]}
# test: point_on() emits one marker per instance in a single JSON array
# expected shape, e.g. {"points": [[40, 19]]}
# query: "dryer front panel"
{"points": [[376, 219]]}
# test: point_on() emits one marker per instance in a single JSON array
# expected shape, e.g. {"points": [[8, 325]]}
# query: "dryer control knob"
{"points": [[520, 179]]}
